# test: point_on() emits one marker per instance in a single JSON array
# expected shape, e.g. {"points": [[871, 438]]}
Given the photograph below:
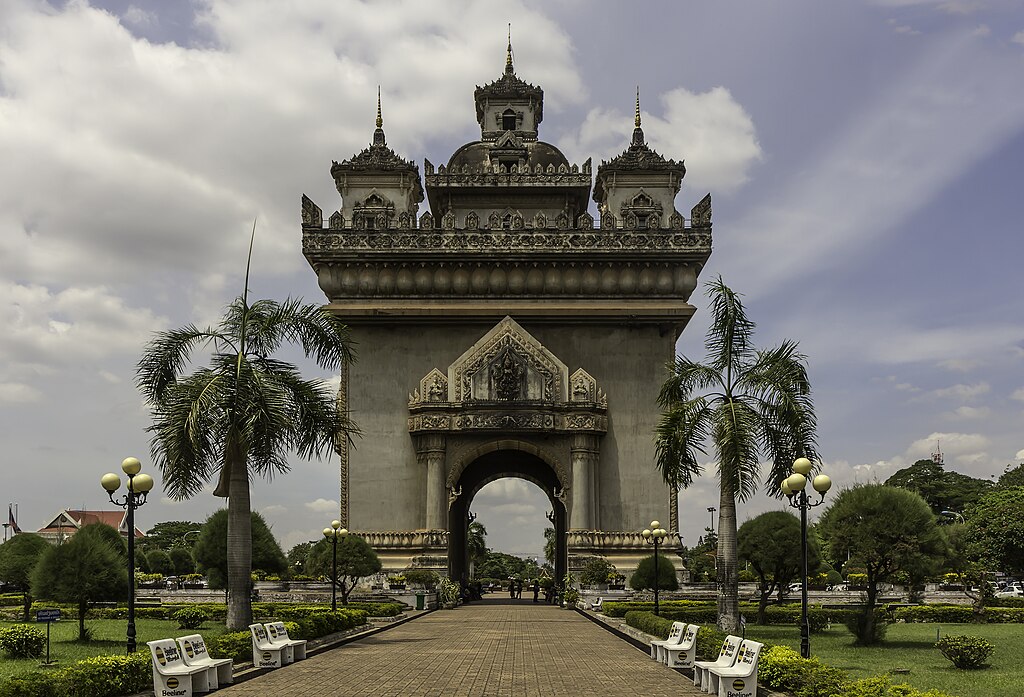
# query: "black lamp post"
{"points": [[655, 535], [137, 487], [711, 510], [332, 534], [794, 487]]}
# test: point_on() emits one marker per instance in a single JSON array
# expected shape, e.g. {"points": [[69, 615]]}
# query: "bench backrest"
{"points": [[165, 654], [259, 636], [730, 647], [675, 632], [277, 631], [193, 647], [746, 656], [689, 636]]}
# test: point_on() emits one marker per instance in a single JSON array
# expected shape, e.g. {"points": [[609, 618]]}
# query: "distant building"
{"points": [[67, 522]]}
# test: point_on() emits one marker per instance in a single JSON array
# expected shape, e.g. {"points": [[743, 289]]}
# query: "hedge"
{"points": [[709, 638], [957, 614], [100, 676], [214, 611]]}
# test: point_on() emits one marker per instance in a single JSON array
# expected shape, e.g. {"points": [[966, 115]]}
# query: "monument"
{"points": [[506, 333]]}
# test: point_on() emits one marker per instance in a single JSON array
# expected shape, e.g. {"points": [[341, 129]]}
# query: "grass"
{"points": [[912, 646], [109, 637]]}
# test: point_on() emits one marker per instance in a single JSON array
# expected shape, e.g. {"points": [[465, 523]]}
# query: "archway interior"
{"points": [[491, 467]]}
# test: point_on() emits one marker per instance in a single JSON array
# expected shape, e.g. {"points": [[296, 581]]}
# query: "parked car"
{"points": [[1015, 589]]}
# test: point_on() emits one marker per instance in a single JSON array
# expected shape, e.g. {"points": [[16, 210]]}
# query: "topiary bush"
{"points": [[784, 670], [234, 645], [191, 617], [964, 651], [868, 627], [100, 676], [22, 641]]}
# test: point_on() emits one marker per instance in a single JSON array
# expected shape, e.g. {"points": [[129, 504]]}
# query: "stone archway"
{"points": [[491, 466]]}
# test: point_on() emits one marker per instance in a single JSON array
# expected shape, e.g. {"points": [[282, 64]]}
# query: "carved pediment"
{"points": [[433, 388], [508, 364]]}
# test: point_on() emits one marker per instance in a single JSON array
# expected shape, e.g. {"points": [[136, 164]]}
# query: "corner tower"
{"points": [[503, 333]]}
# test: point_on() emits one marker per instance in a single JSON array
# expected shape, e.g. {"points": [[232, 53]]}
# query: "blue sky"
{"points": [[865, 160]]}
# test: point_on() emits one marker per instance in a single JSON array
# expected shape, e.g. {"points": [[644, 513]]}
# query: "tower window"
{"points": [[508, 120]]}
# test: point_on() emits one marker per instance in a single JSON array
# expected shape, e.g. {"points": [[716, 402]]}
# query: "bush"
{"points": [[784, 670], [235, 645], [100, 676], [22, 641], [422, 577], [964, 651], [643, 577], [596, 570], [310, 622], [867, 626], [191, 617]]}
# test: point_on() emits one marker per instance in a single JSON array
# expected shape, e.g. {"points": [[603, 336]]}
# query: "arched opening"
{"points": [[508, 120], [488, 468]]}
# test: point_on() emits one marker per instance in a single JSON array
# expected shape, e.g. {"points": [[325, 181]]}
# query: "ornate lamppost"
{"points": [[654, 535], [794, 486], [333, 534], [137, 487]]}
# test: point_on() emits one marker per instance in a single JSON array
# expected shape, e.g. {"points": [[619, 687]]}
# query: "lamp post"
{"points": [[711, 510], [794, 486], [654, 535], [136, 489], [332, 534]]}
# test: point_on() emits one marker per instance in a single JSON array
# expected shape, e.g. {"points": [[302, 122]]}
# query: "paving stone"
{"points": [[495, 647]]}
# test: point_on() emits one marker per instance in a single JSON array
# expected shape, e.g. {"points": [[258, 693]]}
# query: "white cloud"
{"points": [[139, 17], [1018, 394], [1019, 455], [960, 365], [1018, 38], [982, 30], [274, 509], [971, 413], [963, 445], [961, 391], [710, 130], [18, 393], [323, 506]]}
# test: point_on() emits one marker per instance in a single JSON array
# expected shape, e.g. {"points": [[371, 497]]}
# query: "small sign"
{"points": [[51, 615]]}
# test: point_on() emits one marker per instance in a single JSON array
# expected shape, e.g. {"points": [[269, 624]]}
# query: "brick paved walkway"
{"points": [[492, 648]]}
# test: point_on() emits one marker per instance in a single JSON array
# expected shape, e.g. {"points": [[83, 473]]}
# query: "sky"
{"points": [[865, 160]]}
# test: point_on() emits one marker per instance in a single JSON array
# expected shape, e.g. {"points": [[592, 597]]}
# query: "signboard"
{"points": [[47, 615]]}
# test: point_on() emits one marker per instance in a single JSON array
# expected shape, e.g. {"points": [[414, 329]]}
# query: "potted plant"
{"points": [[396, 582], [616, 581]]}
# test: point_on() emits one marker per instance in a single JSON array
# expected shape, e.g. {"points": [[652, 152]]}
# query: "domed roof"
{"points": [[477, 155]]}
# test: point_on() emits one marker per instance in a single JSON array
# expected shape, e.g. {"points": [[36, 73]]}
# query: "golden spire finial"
{"points": [[636, 121], [380, 121], [508, 54]]}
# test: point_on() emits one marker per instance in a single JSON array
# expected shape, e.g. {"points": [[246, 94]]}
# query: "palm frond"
{"points": [[165, 356], [680, 435], [729, 338], [685, 378], [735, 429]]}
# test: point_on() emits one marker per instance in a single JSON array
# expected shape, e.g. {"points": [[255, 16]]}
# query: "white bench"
{"points": [[726, 657], [596, 606], [193, 649], [279, 637], [740, 680], [265, 654], [682, 654], [171, 676], [675, 633]]}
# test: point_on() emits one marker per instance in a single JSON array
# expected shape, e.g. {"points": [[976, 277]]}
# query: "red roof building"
{"points": [[67, 522]]}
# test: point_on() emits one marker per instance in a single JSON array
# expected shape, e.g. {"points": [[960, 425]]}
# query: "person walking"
{"points": [[536, 590], [512, 588]]}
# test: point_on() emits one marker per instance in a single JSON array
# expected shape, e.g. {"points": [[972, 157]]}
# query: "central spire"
{"points": [[378, 134], [509, 70]]}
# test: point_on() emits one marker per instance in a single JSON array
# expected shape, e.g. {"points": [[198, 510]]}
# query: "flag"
{"points": [[11, 521]]}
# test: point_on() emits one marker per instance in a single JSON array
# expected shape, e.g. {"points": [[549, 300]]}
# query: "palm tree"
{"points": [[244, 413], [744, 402], [476, 543]]}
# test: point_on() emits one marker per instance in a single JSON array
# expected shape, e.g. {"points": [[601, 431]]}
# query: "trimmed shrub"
{"points": [[235, 645], [649, 623], [783, 669], [868, 627], [22, 641], [191, 617], [100, 676], [964, 651], [422, 577]]}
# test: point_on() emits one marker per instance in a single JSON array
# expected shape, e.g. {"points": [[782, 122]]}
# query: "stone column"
{"points": [[584, 458], [431, 448]]}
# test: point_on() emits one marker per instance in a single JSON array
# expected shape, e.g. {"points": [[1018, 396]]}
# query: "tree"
{"points": [[596, 570], [86, 569], [240, 416], [18, 556], [356, 560], [170, 534], [942, 490], [211, 551], [996, 523], [501, 565], [885, 529], [160, 562], [550, 546], [744, 402], [476, 543], [771, 544], [297, 556], [643, 577], [1011, 476], [182, 561]]}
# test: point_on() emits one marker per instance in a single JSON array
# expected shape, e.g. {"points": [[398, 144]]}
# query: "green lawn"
{"points": [[912, 646], [109, 637]]}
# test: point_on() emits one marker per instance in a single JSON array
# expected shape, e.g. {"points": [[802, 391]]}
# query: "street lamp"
{"points": [[136, 489], [794, 486], [332, 534], [952, 514], [654, 535], [711, 510]]}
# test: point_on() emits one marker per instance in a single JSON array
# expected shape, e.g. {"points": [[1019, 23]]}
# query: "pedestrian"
{"points": [[536, 589], [512, 588]]}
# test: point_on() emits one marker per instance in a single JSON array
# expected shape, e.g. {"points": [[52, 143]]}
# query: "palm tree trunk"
{"points": [[239, 552], [728, 579]]}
